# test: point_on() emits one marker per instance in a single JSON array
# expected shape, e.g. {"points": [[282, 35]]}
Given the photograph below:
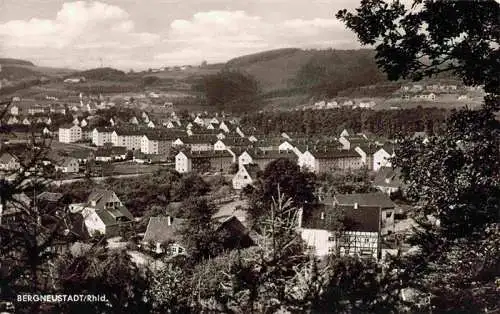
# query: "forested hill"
{"points": [[312, 71], [102, 74], [11, 61]]}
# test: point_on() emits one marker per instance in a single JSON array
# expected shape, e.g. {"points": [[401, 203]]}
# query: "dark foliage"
{"points": [[386, 123], [324, 75], [460, 38], [282, 177], [231, 91]]}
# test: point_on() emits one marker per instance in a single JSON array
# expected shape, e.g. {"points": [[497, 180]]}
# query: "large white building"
{"points": [[183, 163], [70, 133], [130, 139], [156, 144], [101, 136]]}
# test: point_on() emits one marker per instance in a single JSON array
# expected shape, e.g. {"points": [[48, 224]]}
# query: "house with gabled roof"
{"points": [[366, 152], [68, 165], [225, 126], [161, 236], [245, 175], [9, 162], [349, 142], [381, 158], [342, 231], [372, 200], [103, 213], [388, 180]]}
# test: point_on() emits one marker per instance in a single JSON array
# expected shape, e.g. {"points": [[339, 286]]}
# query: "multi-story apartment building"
{"points": [[101, 136], [70, 133]]}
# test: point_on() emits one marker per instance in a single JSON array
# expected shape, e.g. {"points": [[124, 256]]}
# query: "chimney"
{"points": [[322, 215], [355, 205], [169, 220]]}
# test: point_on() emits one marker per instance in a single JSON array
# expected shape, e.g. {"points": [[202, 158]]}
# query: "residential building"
{"points": [[130, 138], [246, 175], [103, 213], [330, 160], [14, 110], [359, 235], [68, 165], [70, 133], [203, 161], [357, 201], [102, 135], [110, 153], [381, 158], [9, 162], [388, 180], [157, 143], [162, 236], [349, 142]]}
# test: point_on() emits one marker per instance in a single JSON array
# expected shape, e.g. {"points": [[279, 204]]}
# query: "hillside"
{"points": [[11, 61], [275, 69]]}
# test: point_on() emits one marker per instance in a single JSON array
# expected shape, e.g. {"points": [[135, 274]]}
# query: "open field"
{"points": [[133, 168]]}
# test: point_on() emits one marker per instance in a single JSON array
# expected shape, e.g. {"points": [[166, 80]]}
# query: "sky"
{"points": [[142, 34]]}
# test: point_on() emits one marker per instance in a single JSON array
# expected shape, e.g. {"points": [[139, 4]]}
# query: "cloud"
{"points": [[220, 35], [77, 24]]}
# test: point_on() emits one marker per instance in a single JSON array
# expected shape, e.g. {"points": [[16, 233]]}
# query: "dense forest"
{"points": [[386, 123], [330, 71]]}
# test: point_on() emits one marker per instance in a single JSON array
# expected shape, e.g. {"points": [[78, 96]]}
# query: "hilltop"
{"points": [[11, 61]]}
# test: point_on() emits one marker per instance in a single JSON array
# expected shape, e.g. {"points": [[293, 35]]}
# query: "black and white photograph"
{"points": [[249, 156]]}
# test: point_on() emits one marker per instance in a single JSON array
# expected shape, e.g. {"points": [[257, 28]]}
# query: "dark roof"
{"points": [[208, 154], [199, 139], [364, 199], [368, 148], [100, 197], [67, 126], [271, 154], [160, 231], [363, 219], [130, 131], [7, 157], [104, 129], [334, 153], [236, 141]]}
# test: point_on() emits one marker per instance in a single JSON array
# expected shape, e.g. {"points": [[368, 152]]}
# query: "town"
{"points": [[187, 158]]}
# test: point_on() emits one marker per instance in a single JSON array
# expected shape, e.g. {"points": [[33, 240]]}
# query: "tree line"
{"points": [[388, 123]]}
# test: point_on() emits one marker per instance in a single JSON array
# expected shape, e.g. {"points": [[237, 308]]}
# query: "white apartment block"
{"points": [[70, 134], [129, 140], [101, 136]]}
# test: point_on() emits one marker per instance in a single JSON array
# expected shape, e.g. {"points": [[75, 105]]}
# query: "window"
{"points": [[388, 215], [331, 238]]}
